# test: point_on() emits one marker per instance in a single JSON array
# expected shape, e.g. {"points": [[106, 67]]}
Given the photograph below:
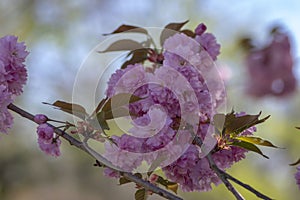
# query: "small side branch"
{"points": [[147, 185]]}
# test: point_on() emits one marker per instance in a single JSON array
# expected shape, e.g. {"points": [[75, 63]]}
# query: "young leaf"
{"points": [[124, 180], [167, 32], [71, 108], [102, 121], [119, 100], [188, 33], [295, 163], [100, 105], [137, 56], [248, 146], [237, 124], [256, 140], [123, 45], [140, 194], [172, 186], [168, 184], [128, 28]]}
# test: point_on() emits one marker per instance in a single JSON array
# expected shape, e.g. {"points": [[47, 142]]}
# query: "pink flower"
{"points": [[40, 119], [13, 73], [209, 43], [201, 28], [45, 132], [46, 140], [297, 176], [50, 147], [6, 118]]}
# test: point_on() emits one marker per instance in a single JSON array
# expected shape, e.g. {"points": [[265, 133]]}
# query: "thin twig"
{"points": [[246, 186], [147, 185]]}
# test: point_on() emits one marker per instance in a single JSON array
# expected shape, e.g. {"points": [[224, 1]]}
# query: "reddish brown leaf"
{"points": [[188, 33], [128, 28], [71, 108], [170, 30], [137, 56], [123, 45]]}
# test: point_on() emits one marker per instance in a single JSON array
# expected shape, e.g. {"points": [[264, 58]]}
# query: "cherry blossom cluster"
{"points": [[13, 76], [174, 94]]}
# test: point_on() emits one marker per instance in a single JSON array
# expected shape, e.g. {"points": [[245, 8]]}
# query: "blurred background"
{"points": [[59, 36]]}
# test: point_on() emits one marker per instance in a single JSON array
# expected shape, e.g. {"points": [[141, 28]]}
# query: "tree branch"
{"points": [[147, 185], [225, 177]]}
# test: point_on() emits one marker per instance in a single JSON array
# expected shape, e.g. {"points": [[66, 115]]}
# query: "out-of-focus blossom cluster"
{"points": [[270, 69], [13, 76]]}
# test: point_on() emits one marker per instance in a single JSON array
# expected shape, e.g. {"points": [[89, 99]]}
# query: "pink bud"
{"points": [[201, 28], [153, 178], [40, 119]]}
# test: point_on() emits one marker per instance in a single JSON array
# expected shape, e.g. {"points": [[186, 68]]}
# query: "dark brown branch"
{"points": [[225, 177], [147, 185]]}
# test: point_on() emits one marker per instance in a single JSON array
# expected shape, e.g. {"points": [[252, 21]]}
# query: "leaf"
{"points": [[295, 163], [173, 187], [128, 28], [170, 30], [218, 122], [137, 56], [123, 45], [255, 140], [168, 184], [249, 146], [140, 194], [71, 108], [188, 33], [119, 100], [102, 121], [124, 180], [100, 105], [237, 124]]}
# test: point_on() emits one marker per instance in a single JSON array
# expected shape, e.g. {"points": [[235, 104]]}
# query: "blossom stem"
{"points": [[147, 185]]}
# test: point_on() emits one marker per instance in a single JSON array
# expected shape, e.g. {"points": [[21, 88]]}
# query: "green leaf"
{"points": [[124, 180], [236, 124], [170, 30], [168, 184], [295, 163], [137, 56], [140, 194], [248, 146], [128, 28], [255, 140], [123, 45], [102, 121], [71, 108]]}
